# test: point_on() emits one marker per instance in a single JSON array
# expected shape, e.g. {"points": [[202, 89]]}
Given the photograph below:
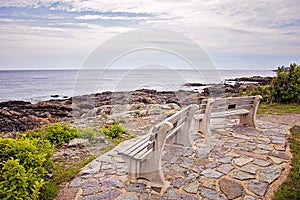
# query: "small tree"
{"points": [[285, 86]]}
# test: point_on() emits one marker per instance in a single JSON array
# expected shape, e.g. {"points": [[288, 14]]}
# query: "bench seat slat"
{"points": [[142, 155], [142, 146], [134, 146]]}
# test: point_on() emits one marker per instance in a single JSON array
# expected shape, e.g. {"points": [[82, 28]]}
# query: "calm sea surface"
{"points": [[37, 85]]}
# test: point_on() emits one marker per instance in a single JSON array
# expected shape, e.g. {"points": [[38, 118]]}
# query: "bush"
{"points": [[24, 164], [284, 88], [286, 85], [26, 160], [54, 133], [263, 90], [87, 133], [114, 131]]}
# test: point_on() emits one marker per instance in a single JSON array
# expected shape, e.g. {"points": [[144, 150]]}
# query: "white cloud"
{"points": [[94, 17], [237, 27]]}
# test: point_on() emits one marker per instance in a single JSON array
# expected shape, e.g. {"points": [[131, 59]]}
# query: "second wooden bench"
{"points": [[245, 107]]}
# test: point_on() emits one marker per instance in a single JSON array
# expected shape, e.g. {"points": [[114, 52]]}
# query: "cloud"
{"points": [[237, 27], [104, 17]]}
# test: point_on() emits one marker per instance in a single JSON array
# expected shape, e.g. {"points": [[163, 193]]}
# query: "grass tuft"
{"points": [[61, 174], [277, 108]]}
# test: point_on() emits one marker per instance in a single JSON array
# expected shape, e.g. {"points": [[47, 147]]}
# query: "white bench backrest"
{"points": [[227, 104]]}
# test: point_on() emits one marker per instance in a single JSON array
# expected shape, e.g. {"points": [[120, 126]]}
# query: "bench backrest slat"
{"points": [[173, 118], [174, 130], [232, 103]]}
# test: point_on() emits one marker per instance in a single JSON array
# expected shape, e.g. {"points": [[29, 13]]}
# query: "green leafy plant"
{"points": [[284, 88], [263, 90], [103, 115], [54, 133], [286, 85], [114, 131], [24, 164]]}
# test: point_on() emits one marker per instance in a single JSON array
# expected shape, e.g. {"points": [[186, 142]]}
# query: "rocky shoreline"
{"points": [[19, 116]]}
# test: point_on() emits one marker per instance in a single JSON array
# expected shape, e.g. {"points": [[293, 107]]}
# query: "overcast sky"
{"points": [[236, 34]]}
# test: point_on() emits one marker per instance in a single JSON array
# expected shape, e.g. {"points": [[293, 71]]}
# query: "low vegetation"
{"points": [[87, 133], [116, 133], [284, 88], [53, 133], [278, 108], [290, 190], [24, 165], [26, 168], [61, 174]]}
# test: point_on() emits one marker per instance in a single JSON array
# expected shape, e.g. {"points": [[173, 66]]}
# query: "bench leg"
{"points": [[151, 169], [196, 126], [247, 120], [204, 127], [250, 119], [204, 124], [133, 167]]}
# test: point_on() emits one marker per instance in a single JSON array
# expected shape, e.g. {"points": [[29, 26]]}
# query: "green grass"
{"points": [[62, 174], [290, 189], [276, 108]]}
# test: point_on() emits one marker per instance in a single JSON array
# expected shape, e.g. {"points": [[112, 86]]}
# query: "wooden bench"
{"points": [[245, 107], [143, 157]]}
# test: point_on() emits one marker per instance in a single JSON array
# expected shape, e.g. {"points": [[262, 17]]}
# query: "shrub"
{"points": [[263, 90], [24, 164], [13, 183], [54, 133], [26, 160], [87, 133], [284, 88], [286, 85], [114, 131]]}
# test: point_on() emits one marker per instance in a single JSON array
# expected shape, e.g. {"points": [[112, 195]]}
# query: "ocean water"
{"points": [[38, 85]]}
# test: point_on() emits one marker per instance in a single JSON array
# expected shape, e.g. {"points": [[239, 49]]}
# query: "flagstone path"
{"points": [[236, 162]]}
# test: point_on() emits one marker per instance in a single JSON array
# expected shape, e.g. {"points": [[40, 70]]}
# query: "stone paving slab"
{"points": [[236, 162]]}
